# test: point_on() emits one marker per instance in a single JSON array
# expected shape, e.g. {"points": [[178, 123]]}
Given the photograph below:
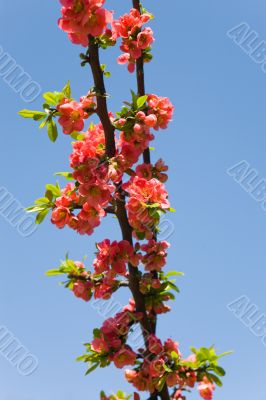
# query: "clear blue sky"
{"points": [[220, 231]]}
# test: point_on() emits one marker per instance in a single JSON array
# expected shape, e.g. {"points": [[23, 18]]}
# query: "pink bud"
{"points": [[151, 120], [141, 115], [138, 128]]}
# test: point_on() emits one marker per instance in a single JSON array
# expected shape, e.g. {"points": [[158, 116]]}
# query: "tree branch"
{"points": [[147, 159], [121, 213], [102, 110]]}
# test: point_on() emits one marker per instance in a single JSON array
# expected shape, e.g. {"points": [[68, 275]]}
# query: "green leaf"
{"points": [[53, 272], [49, 195], [67, 90], [173, 273], [134, 99], [54, 189], [214, 378], [42, 200], [52, 130], [77, 136], [41, 216], [97, 333], [66, 175], [226, 353], [53, 98], [42, 125], [141, 101], [219, 370], [36, 115], [92, 368]]}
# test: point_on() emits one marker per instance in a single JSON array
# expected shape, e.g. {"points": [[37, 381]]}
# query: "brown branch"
{"points": [[147, 159], [109, 130], [121, 213], [102, 110]]}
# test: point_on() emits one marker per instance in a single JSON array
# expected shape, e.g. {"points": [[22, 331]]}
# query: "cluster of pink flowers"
{"points": [[136, 136], [162, 109], [155, 257], [94, 190], [161, 364], [111, 338], [63, 213], [85, 284], [134, 41], [132, 142], [206, 389], [115, 256], [147, 376], [153, 290], [148, 171], [146, 197], [81, 18], [73, 113]]}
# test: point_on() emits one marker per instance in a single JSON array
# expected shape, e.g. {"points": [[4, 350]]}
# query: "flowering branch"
{"points": [[121, 213], [102, 159]]}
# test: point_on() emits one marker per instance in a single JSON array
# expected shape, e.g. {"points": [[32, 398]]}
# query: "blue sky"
{"points": [[220, 230]]}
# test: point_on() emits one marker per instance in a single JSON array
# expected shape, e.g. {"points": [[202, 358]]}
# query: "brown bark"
{"points": [[102, 112]]}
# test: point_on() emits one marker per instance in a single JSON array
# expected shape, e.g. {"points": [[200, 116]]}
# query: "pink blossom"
{"points": [[72, 116], [155, 344], [206, 389], [60, 216], [124, 357], [157, 368], [83, 290]]}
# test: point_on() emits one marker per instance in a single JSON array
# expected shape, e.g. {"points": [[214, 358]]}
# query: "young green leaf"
{"points": [[66, 175], [67, 90], [141, 101], [36, 115], [41, 216], [52, 130]]}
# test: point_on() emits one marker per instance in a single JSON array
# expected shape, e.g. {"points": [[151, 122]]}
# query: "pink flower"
{"points": [[124, 357], [162, 108], [114, 256], [145, 38], [144, 171], [172, 379], [155, 257], [155, 344], [82, 290], [99, 345], [170, 346], [60, 216], [206, 389], [72, 116], [81, 18], [157, 368], [133, 41], [150, 120]]}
